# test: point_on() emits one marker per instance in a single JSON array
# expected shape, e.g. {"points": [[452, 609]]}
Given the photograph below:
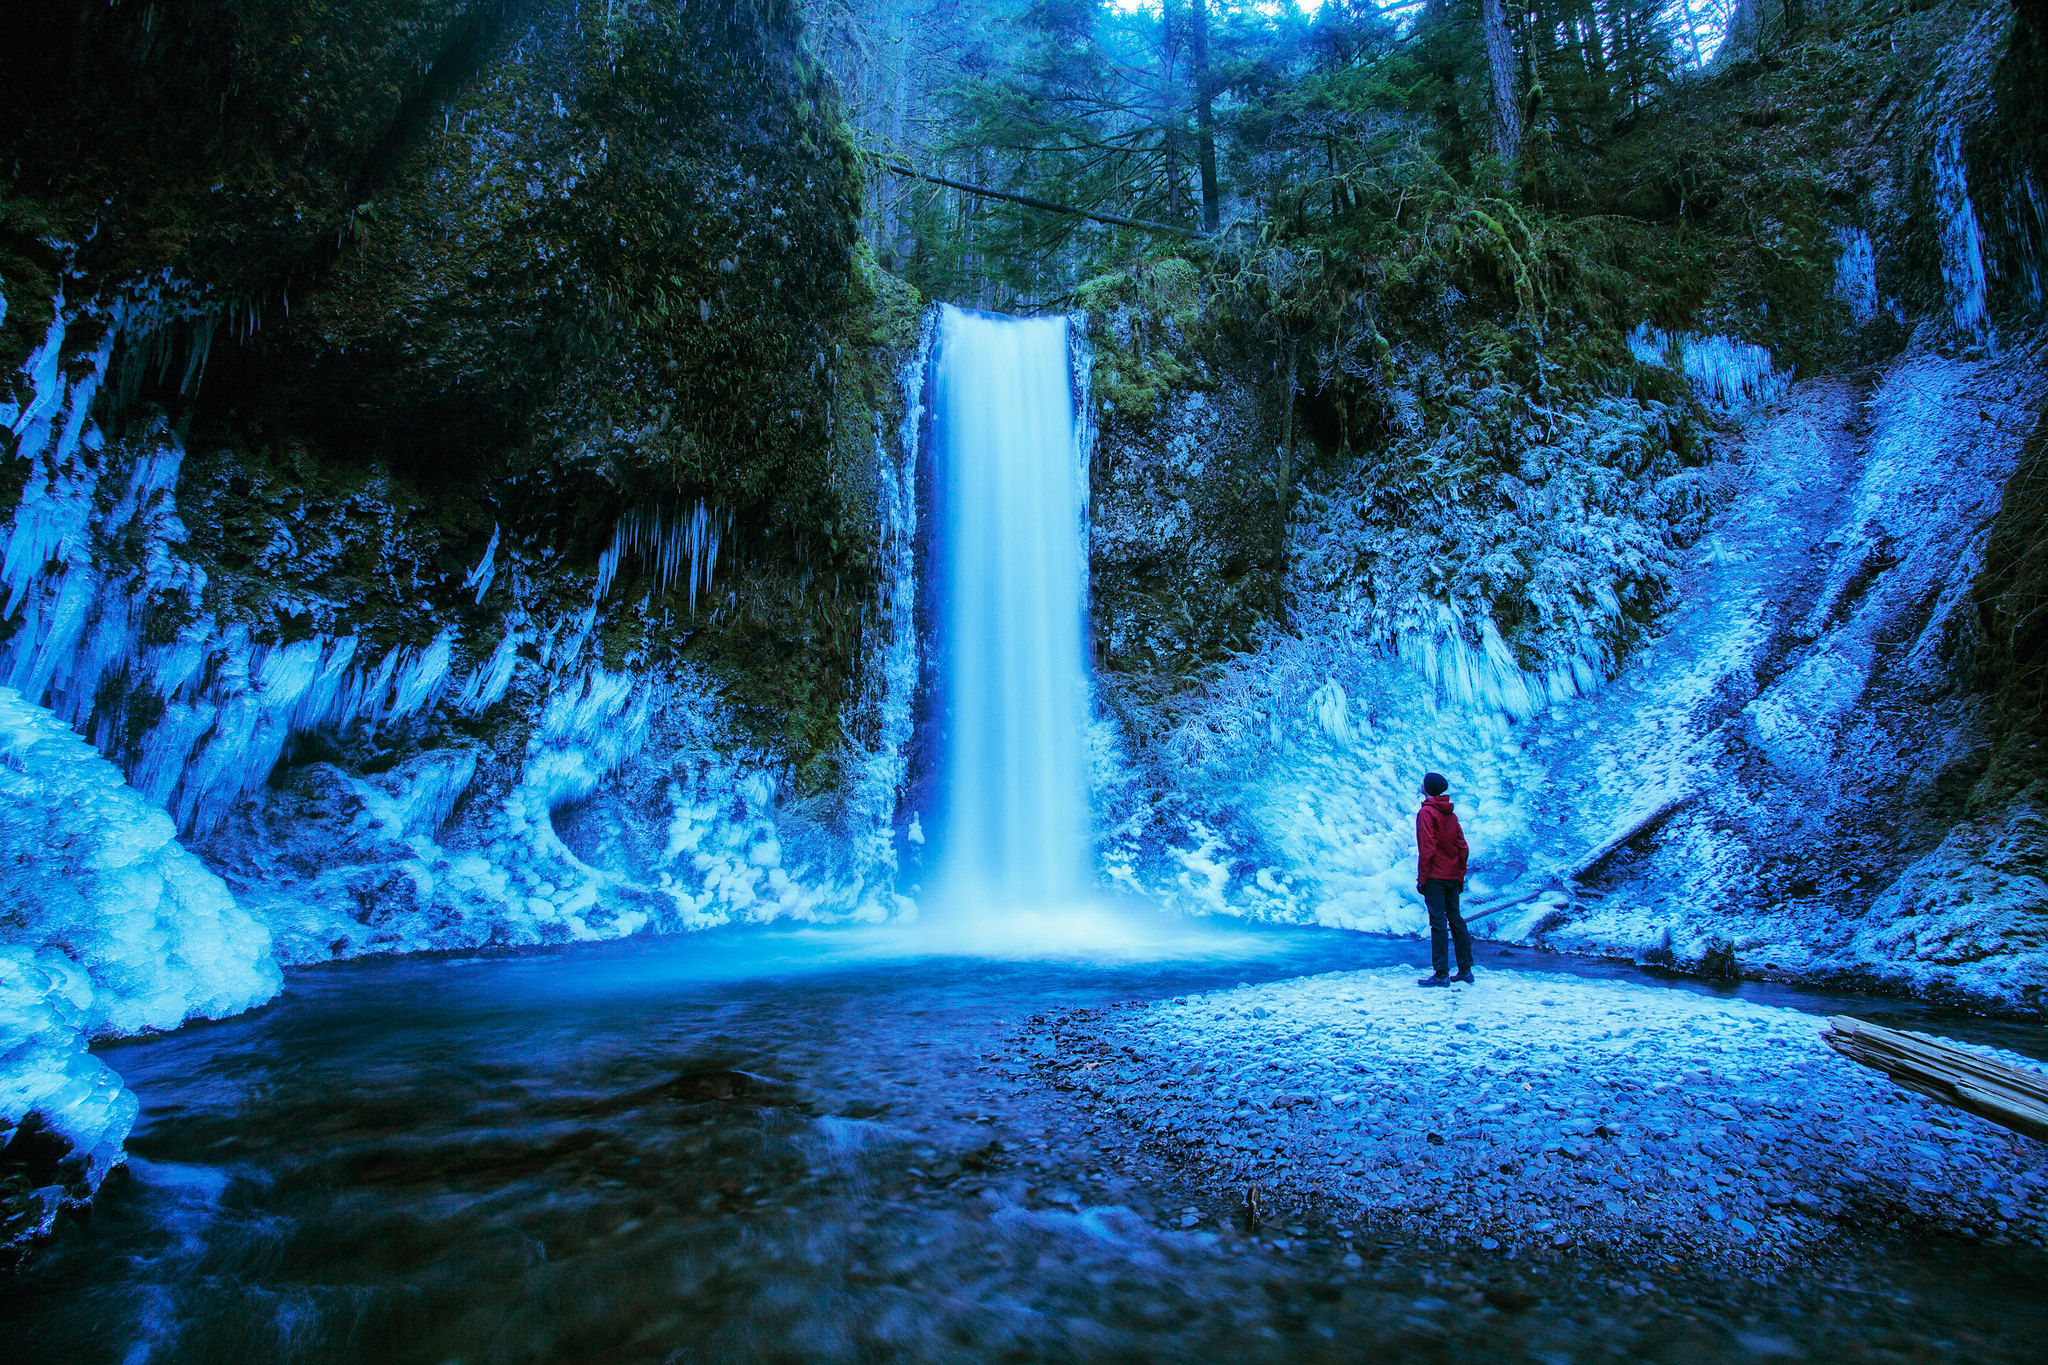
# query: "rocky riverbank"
{"points": [[1539, 1111]]}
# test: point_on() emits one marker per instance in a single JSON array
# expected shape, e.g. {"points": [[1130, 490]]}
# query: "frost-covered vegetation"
{"points": [[1504, 513]]}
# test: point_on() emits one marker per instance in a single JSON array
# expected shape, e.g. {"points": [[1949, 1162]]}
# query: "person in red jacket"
{"points": [[1440, 878]]}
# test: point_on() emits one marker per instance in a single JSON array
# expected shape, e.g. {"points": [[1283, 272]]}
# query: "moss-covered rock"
{"points": [[417, 278]]}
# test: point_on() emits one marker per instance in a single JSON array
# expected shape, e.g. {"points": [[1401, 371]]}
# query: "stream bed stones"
{"points": [[1542, 1111]]}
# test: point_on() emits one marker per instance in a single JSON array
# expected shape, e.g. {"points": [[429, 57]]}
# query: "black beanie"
{"points": [[1435, 784]]}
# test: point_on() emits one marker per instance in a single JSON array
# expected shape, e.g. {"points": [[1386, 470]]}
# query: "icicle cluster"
{"points": [[93, 563], [1730, 376], [1962, 239], [224, 705], [665, 544], [878, 768], [1856, 274], [1486, 676]]}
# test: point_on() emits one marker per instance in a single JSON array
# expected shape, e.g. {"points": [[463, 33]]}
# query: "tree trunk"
{"points": [[1500, 66], [1205, 117], [962, 187], [1283, 488]]}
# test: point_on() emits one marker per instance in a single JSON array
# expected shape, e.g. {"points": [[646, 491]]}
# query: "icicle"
{"points": [[1333, 710], [1962, 240], [665, 546], [1730, 376], [608, 563], [1856, 274], [487, 685], [420, 676], [480, 577]]}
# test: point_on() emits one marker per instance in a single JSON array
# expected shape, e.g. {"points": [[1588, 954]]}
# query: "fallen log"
{"points": [[1648, 820], [1564, 877], [2009, 1096], [1046, 205]]}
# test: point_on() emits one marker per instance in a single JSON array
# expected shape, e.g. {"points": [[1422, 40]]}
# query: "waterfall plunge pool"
{"points": [[766, 1145]]}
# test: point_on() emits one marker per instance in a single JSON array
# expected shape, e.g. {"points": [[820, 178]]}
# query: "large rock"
{"points": [[109, 928]]}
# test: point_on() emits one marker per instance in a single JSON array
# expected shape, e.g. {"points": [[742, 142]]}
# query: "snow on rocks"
{"points": [[108, 927], [1540, 1110]]}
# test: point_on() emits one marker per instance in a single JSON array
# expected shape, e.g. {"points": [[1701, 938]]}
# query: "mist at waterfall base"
{"points": [[1007, 569]]}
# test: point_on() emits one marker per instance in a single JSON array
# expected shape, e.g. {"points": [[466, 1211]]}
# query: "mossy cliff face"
{"points": [[1183, 512], [389, 319], [434, 269]]}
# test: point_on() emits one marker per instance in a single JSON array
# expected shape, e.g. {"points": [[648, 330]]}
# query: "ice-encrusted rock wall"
{"points": [[1699, 655], [432, 819], [1815, 710], [354, 546], [348, 473], [1776, 779], [110, 928]]}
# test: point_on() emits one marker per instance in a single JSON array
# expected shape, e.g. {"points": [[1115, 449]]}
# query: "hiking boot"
{"points": [[1433, 981], [1466, 977]]}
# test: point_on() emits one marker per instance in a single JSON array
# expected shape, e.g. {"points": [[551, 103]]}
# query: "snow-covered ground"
{"points": [[1540, 1110]]}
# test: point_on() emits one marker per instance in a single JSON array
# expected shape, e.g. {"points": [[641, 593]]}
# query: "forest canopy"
{"points": [[1217, 121]]}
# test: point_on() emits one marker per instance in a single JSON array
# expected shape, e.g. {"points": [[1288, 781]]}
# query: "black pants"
{"points": [[1443, 910]]}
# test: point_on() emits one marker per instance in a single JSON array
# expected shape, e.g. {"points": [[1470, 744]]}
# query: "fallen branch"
{"points": [[1650, 820], [1564, 877], [1497, 906], [2009, 1096], [1114, 219]]}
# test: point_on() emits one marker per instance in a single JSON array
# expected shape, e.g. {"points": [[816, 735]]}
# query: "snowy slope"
{"points": [[1815, 711]]}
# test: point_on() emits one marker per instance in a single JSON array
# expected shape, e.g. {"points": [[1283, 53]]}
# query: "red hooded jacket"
{"points": [[1440, 842]]}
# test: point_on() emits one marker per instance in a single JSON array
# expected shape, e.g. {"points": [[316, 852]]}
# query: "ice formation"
{"points": [[1730, 376], [225, 705], [1850, 525], [419, 856], [112, 929], [1962, 239], [1856, 274], [878, 775], [668, 543]]}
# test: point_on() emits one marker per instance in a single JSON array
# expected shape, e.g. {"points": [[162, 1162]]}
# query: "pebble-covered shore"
{"points": [[1543, 1110]]}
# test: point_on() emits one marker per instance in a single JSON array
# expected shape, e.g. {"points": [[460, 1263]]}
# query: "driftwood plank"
{"points": [[2010, 1096]]}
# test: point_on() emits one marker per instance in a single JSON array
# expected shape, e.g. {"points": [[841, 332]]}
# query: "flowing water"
{"points": [[799, 1147], [1011, 500]]}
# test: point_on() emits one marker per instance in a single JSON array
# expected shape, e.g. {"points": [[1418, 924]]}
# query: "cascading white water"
{"points": [[1011, 553]]}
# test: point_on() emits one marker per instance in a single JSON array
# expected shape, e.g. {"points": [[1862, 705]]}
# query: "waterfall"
{"points": [[1009, 554]]}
